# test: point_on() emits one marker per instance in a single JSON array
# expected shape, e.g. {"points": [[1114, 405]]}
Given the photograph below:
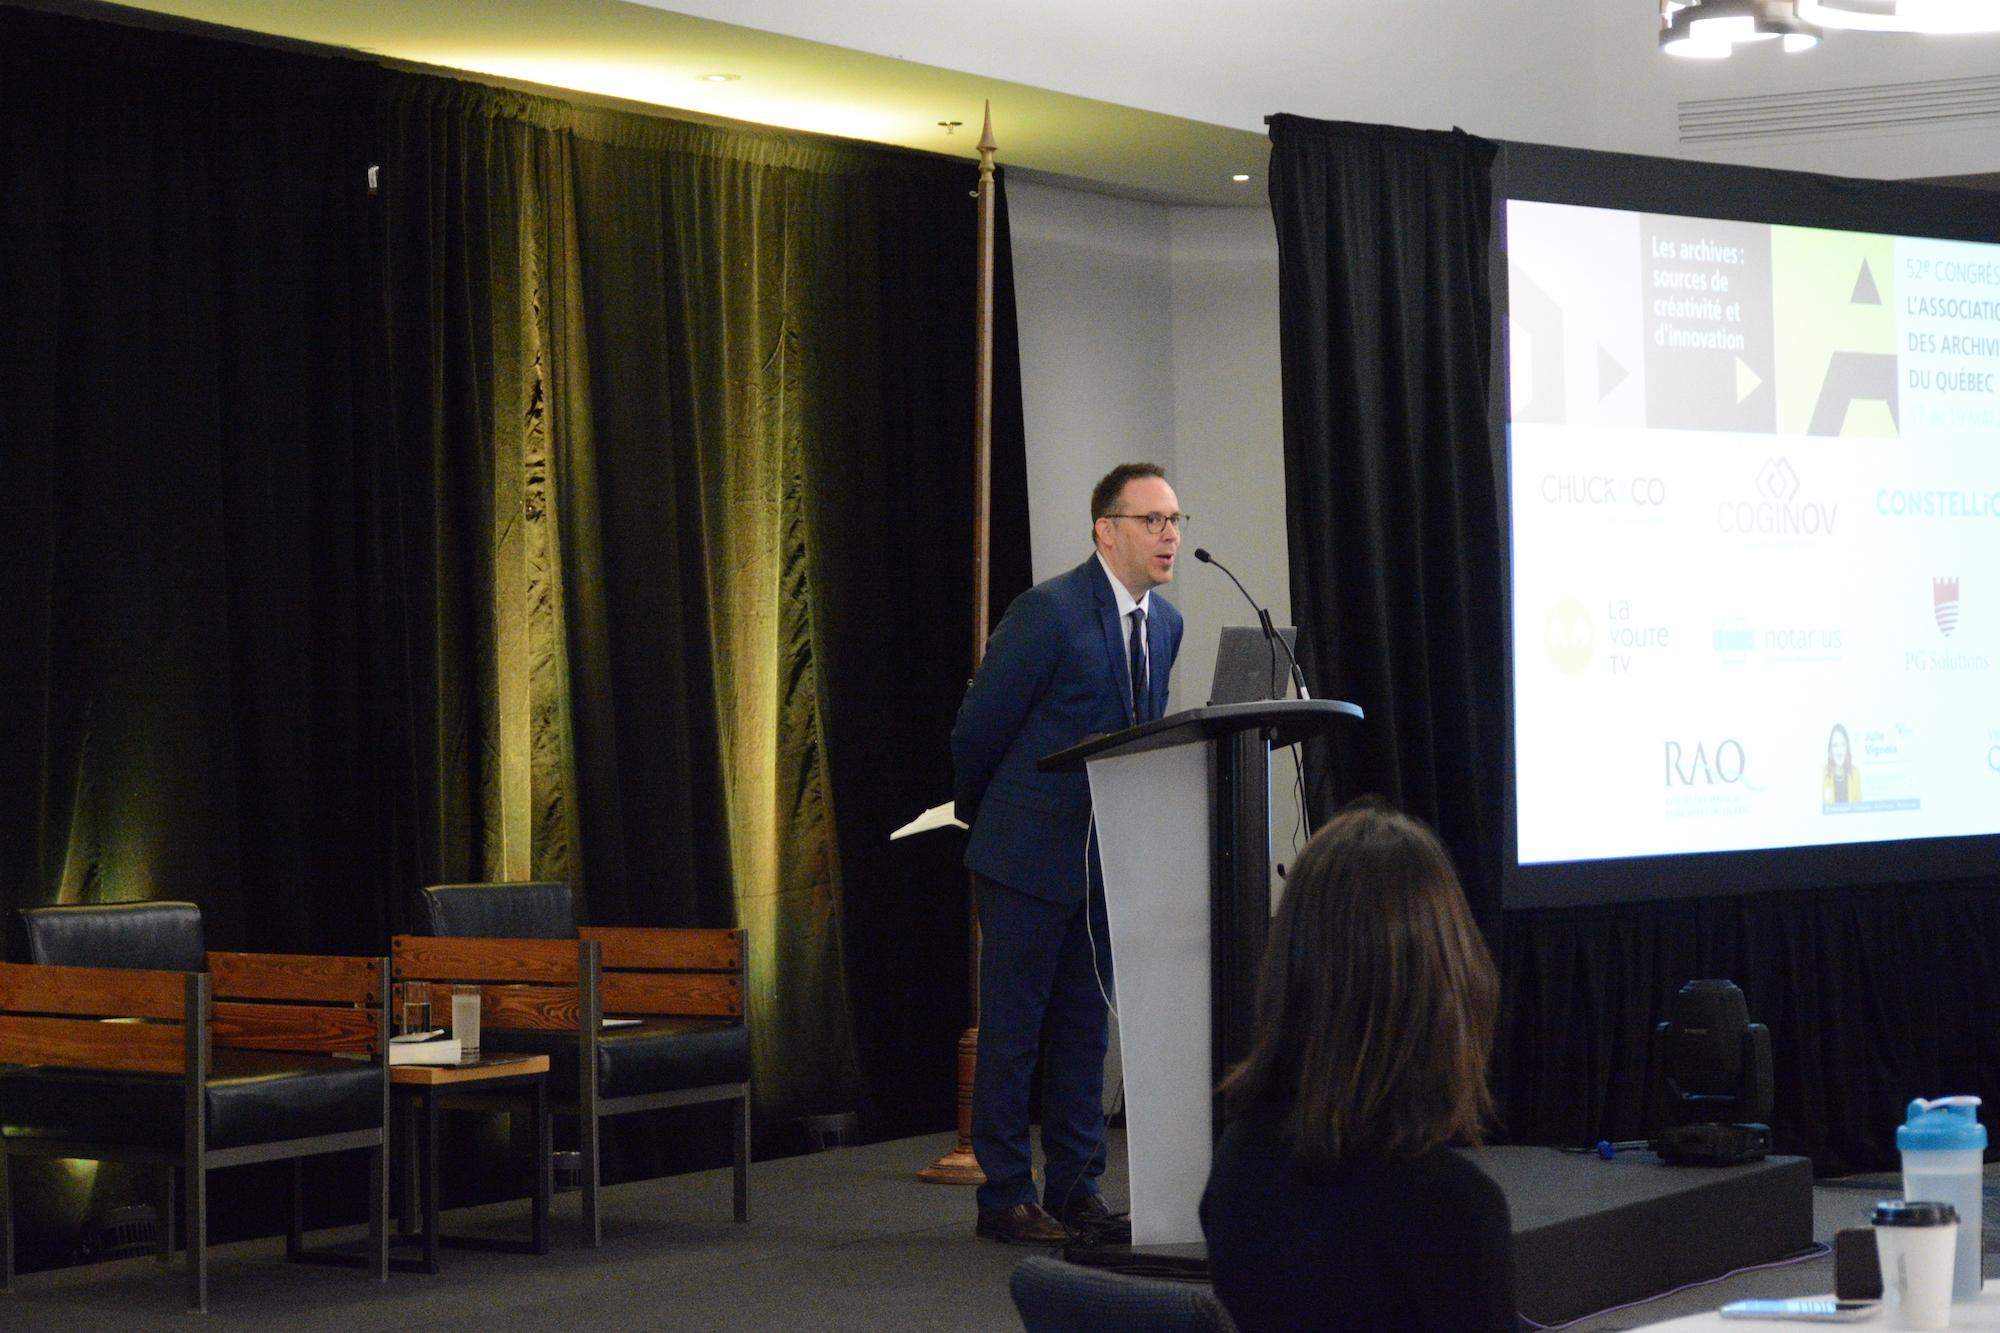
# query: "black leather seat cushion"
{"points": [[253, 1097], [162, 937], [659, 1055], [542, 910]]}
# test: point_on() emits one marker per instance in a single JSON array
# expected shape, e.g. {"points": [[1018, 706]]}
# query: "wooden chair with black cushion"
{"points": [[190, 1069], [547, 986]]}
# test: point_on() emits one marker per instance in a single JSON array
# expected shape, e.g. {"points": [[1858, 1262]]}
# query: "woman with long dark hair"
{"points": [[1336, 1201]]}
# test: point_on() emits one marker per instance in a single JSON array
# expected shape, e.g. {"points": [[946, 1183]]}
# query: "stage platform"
{"points": [[850, 1238], [1591, 1234]]}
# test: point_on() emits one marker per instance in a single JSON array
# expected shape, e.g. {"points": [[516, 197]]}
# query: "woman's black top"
{"points": [[1374, 1242]]}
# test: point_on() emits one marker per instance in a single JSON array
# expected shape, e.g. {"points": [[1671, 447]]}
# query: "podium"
{"points": [[1183, 810]]}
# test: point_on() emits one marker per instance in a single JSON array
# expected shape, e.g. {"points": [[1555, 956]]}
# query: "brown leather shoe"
{"points": [[1023, 1224]]}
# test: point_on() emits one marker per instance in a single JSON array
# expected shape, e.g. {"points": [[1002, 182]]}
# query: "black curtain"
{"points": [[1873, 994], [900, 685], [204, 699], [203, 694], [426, 481], [1391, 505]]}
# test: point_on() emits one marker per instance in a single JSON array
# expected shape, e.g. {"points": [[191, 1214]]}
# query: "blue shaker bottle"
{"points": [[1943, 1145]]}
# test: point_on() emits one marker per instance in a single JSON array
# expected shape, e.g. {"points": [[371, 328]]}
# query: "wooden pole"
{"points": [[959, 1166]]}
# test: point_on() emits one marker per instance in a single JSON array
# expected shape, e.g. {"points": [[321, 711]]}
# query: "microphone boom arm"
{"points": [[1263, 618]]}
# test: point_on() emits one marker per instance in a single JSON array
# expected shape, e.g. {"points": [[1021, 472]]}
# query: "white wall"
{"points": [[1228, 426], [1152, 332], [1467, 62], [1092, 286]]}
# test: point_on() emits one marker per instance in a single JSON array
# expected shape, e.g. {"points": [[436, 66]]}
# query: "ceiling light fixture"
{"points": [[1713, 29], [1946, 16], [1240, 177], [720, 78]]}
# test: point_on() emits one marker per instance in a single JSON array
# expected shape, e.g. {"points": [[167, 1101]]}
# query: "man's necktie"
{"points": [[1138, 664]]}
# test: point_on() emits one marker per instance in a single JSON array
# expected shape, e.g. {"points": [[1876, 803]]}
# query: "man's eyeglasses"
{"points": [[1157, 523]]}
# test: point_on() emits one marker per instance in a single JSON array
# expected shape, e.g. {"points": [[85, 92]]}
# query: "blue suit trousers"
{"points": [[1040, 966]]}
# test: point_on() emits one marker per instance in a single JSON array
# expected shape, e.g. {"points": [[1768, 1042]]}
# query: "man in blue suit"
{"points": [[1084, 653]]}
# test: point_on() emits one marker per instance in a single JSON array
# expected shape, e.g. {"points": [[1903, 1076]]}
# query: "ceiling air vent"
{"points": [[1775, 117]]}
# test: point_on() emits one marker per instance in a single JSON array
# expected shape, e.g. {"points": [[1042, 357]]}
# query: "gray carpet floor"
{"points": [[842, 1239], [847, 1238]]}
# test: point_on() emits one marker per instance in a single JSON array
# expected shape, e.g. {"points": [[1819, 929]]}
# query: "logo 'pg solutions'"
{"points": [[1777, 507], [1944, 604]]}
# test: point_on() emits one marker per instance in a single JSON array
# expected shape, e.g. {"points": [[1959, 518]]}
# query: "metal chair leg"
{"points": [[167, 1199], [743, 1158], [406, 1153], [295, 1225], [378, 1210], [197, 1238], [6, 1221], [545, 1165], [590, 1134]]}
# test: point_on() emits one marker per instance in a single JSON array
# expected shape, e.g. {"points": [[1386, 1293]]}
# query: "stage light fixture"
{"points": [[1713, 1087], [1713, 29]]}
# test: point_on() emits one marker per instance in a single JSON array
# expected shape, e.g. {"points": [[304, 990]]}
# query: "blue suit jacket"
{"points": [[1054, 673]]}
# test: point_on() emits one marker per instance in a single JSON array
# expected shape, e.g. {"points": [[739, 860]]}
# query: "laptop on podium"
{"points": [[1250, 668]]}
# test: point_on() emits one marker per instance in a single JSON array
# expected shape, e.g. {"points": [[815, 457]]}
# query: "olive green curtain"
{"points": [[475, 270], [652, 348], [688, 387]]}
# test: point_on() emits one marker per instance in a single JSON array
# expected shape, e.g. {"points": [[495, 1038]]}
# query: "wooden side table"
{"points": [[497, 1079]]}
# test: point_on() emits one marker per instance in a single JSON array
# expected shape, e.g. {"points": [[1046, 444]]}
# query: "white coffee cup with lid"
{"points": [[1916, 1241]]}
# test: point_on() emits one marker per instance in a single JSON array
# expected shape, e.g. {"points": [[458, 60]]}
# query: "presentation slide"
{"points": [[1755, 513]]}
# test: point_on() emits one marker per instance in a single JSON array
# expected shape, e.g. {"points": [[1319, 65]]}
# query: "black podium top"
{"points": [[1288, 720]]}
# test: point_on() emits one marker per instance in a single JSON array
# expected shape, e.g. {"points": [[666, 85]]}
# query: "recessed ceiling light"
{"points": [[720, 78], [1240, 177]]}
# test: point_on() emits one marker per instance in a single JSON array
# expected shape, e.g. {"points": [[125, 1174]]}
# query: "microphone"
{"points": [[1263, 618]]}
